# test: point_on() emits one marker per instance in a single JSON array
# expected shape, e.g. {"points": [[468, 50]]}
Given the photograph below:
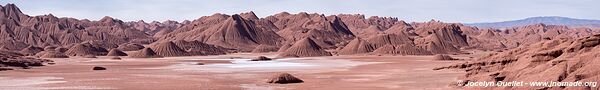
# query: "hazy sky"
{"points": [[408, 10]]}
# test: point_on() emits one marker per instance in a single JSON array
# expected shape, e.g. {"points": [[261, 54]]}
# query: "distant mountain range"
{"points": [[549, 20]]}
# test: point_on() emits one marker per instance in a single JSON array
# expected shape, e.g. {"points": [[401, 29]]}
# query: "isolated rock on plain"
{"points": [[284, 78]]}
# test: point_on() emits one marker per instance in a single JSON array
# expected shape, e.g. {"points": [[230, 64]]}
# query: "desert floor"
{"points": [[234, 71]]}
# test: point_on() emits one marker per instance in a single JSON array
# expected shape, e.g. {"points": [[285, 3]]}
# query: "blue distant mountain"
{"points": [[549, 20]]}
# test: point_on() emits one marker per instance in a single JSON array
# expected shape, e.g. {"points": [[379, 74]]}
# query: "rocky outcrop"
{"points": [[13, 59], [31, 50], [557, 60], [404, 49], [443, 57]]}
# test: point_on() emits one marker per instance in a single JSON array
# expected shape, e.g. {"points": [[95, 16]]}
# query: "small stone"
{"points": [[261, 58], [98, 68]]}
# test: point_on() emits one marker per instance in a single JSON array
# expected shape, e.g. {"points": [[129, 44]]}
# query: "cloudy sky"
{"points": [[408, 10]]}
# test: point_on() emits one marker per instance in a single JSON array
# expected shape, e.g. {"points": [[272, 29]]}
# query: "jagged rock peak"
{"points": [[249, 15]]}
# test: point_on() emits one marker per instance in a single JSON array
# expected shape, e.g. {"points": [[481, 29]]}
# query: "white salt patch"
{"points": [[38, 83], [102, 60], [421, 69], [256, 87], [358, 80], [15, 82], [156, 76], [286, 64], [99, 78], [78, 87], [235, 59], [263, 64], [27, 83]]}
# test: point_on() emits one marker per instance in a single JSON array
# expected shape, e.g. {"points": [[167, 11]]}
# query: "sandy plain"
{"points": [[235, 72]]}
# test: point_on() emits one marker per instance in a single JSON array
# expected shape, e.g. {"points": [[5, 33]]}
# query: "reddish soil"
{"points": [[337, 72]]}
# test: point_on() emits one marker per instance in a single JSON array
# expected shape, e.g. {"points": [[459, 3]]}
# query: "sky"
{"points": [[465, 11]]}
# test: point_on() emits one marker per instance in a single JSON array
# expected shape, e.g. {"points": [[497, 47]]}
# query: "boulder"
{"points": [[284, 78]]}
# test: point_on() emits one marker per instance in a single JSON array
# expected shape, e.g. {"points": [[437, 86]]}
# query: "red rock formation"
{"points": [[199, 48], [369, 31], [18, 28], [145, 53], [557, 60], [401, 28], [305, 48], [363, 27], [391, 39], [227, 31], [403, 49], [298, 26], [357, 46], [265, 49], [487, 39], [116, 52], [130, 47], [492, 39], [51, 54], [440, 38], [13, 59], [84, 49], [534, 33], [168, 49], [285, 46], [443, 57], [31, 50], [155, 28], [220, 33]]}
